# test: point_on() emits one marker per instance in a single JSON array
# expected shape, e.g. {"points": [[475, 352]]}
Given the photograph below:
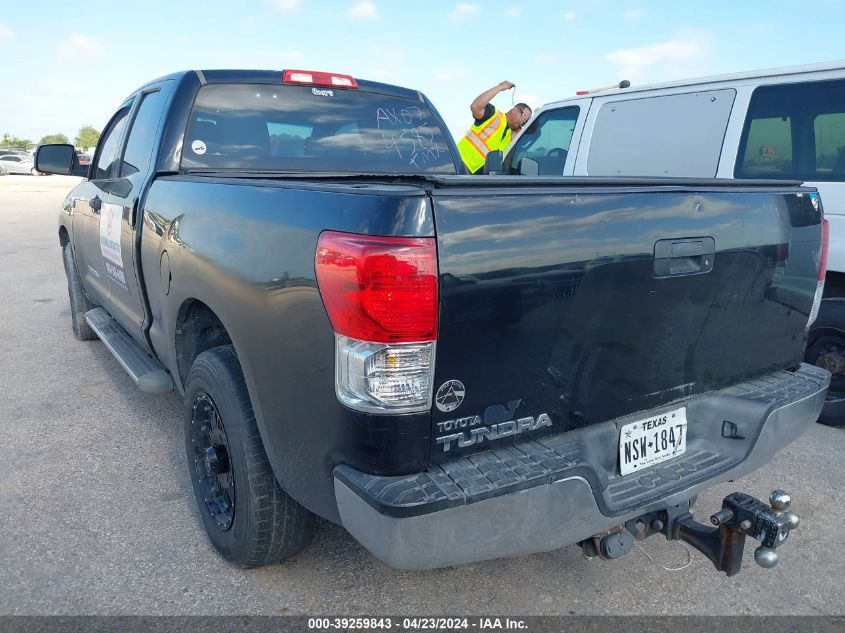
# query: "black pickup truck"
{"points": [[455, 368]]}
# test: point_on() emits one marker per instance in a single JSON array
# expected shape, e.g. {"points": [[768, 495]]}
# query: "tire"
{"points": [[826, 348], [79, 301], [247, 516], [33, 172]]}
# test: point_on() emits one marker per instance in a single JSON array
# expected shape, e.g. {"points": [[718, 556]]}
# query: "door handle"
{"points": [[684, 256], [96, 204]]}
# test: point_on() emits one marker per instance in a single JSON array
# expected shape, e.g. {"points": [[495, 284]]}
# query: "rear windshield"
{"points": [[305, 128]]}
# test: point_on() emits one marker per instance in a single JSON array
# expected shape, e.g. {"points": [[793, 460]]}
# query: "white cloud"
{"points": [[364, 10], [682, 56], [451, 74], [286, 5], [80, 48], [569, 16], [533, 101], [634, 14], [513, 12], [546, 58], [5, 33], [291, 56], [463, 11]]}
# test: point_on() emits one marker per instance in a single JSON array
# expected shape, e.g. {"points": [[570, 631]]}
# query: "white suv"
{"points": [[779, 124]]}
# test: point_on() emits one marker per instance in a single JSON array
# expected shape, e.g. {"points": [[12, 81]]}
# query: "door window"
{"points": [[109, 145], [546, 141], [795, 131], [142, 136]]}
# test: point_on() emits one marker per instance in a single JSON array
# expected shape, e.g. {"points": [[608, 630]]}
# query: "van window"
{"points": [[670, 135], [795, 131], [546, 141]]}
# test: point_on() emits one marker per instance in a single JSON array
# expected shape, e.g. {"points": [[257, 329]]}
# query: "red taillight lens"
{"points": [[381, 289], [317, 78], [825, 240]]}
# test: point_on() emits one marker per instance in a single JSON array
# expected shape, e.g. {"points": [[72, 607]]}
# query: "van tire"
{"points": [[827, 334], [247, 516], [79, 301]]}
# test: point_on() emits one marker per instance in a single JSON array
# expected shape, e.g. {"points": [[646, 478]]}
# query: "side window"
{"points": [[670, 135], [768, 148], [829, 130], [142, 135], [109, 146], [795, 131], [546, 141]]}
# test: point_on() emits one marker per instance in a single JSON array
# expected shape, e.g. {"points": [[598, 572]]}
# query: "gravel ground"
{"points": [[98, 515]]}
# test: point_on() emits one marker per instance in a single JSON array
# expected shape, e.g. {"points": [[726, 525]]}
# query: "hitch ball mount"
{"points": [[741, 515], [722, 542]]}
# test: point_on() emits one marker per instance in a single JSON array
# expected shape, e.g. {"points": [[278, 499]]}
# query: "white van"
{"points": [[783, 124]]}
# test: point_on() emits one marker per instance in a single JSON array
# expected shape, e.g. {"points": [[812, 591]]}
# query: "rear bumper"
{"points": [[542, 495]]}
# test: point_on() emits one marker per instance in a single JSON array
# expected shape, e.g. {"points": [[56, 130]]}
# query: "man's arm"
{"points": [[481, 101]]}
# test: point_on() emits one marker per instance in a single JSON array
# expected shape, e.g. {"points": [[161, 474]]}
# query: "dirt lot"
{"points": [[98, 515]]}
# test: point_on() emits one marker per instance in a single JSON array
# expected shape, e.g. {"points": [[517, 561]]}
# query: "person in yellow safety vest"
{"points": [[492, 129]]}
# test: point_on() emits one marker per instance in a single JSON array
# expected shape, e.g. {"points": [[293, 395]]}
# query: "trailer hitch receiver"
{"points": [[741, 515]]}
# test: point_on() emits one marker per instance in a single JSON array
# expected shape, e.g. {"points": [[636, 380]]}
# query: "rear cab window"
{"points": [[795, 132], [266, 127]]}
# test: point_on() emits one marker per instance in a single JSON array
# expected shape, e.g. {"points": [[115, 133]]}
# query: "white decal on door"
{"points": [[111, 215]]}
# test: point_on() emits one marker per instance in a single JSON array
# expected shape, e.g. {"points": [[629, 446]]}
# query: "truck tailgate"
{"points": [[590, 303]]}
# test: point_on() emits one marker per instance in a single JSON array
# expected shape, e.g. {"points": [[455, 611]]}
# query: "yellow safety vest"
{"points": [[491, 135]]}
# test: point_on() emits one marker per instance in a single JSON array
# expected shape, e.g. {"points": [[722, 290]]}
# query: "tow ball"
{"points": [[741, 515]]}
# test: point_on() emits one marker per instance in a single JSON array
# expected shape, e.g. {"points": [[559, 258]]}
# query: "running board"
{"points": [[149, 374]]}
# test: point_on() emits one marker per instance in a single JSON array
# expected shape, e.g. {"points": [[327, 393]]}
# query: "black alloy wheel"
{"points": [[212, 461], [246, 514], [826, 349]]}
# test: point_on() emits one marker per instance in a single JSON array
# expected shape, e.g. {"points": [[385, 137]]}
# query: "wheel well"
{"points": [[834, 284], [197, 329], [64, 238]]}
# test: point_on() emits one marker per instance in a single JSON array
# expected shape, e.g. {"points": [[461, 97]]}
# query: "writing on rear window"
{"points": [[268, 127], [407, 130]]}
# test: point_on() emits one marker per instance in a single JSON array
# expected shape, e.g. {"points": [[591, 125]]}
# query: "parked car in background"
{"points": [[17, 164], [777, 124]]}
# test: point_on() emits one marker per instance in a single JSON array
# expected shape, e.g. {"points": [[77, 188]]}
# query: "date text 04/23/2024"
{"points": [[417, 624]]}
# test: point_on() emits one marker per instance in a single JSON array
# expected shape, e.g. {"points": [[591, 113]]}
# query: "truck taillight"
{"points": [[380, 294], [318, 78], [817, 300]]}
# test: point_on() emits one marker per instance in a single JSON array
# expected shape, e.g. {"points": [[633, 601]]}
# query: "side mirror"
{"points": [[529, 167], [60, 160], [493, 163]]}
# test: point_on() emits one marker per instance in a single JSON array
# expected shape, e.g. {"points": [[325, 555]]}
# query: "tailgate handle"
{"points": [[686, 256]]}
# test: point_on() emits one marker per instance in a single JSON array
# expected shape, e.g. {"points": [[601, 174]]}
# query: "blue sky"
{"points": [[65, 64]]}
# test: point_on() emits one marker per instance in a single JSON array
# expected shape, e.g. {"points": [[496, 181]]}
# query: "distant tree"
{"points": [[88, 137], [53, 138], [9, 140]]}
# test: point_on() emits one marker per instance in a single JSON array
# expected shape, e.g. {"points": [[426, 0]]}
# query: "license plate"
{"points": [[653, 440]]}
